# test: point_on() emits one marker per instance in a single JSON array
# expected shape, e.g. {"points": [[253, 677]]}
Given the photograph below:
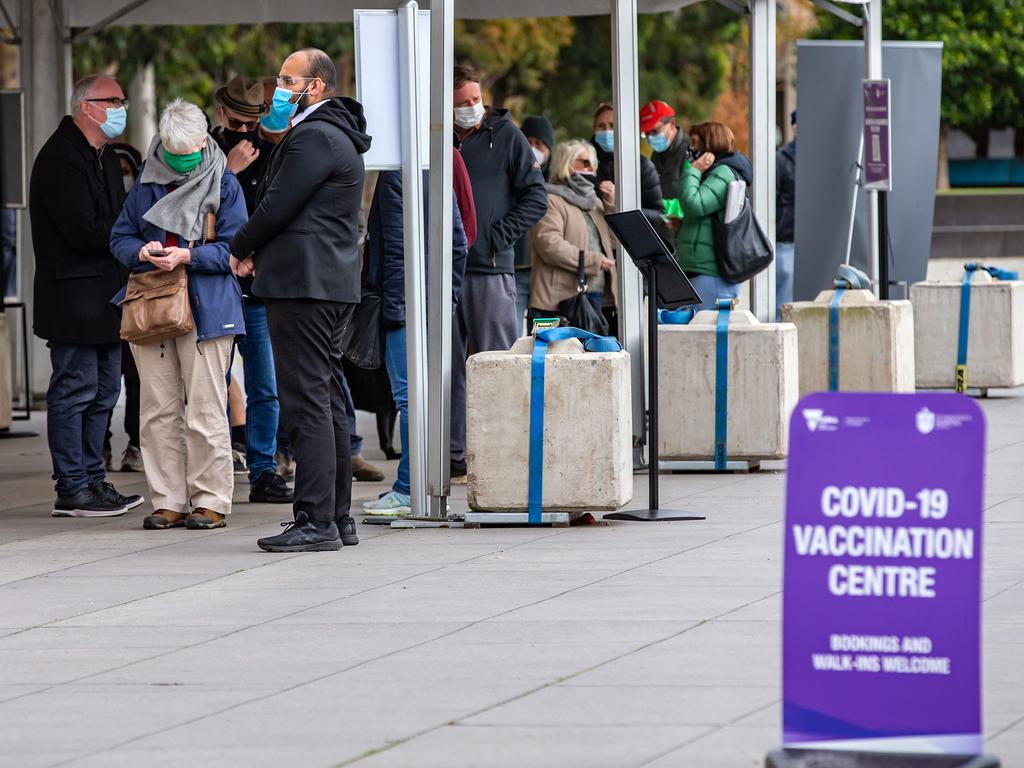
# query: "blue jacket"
{"points": [[385, 247], [213, 291]]}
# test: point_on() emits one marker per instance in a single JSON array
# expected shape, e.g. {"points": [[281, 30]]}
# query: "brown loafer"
{"points": [[365, 472], [202, 519], [164, 518]]}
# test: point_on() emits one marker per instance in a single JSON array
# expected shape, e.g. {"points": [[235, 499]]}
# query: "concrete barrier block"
{"points": [[876, 343], [588, 454], [6, 381], [763, 387], [995, 347]]}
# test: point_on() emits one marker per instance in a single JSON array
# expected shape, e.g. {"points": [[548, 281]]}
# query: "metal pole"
{"points": [[853, 205], [762, 144], [439, 358], [873, 71], [653, 463], [412, 222], [627, 195]]}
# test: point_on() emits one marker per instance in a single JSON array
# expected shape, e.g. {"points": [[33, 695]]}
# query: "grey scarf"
{"points": [[198, 192], [577, 190]]}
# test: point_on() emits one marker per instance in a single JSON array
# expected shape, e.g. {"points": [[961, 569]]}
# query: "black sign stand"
{"points": [[634, 231]]}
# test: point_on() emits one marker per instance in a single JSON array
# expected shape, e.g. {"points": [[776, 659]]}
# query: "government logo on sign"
{"points": [[925, 421]]}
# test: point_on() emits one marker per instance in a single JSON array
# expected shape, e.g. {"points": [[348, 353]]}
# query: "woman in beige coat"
{"points": [[574, 223]]}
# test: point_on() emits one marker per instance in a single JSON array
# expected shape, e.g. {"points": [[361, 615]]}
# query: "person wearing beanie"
{"points": [[670, 143], [541, 135]]}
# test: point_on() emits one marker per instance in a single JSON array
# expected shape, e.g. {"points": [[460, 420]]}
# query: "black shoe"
{"points": [[303, 535], [270, 488], [347, 529], [108, 492], [458, 471], [87, 503]]}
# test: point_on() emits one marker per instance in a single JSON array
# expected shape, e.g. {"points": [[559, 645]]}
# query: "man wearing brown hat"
{"points": [[240, 104]]}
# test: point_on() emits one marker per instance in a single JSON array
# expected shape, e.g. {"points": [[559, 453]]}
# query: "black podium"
{"points": [[669, 287]]}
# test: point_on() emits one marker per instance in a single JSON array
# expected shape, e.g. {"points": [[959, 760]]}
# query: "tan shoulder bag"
{"points": [[156, 305]]}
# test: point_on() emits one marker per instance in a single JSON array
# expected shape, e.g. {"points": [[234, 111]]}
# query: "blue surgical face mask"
{"points": [[658, 141], [282, 110], [605, 140], [114, 125]]}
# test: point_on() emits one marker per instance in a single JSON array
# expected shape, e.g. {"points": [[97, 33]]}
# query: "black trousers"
{"points": [[306, 337]]}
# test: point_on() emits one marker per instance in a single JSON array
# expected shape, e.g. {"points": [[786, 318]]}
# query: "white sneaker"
{"points": [[391, 504]]}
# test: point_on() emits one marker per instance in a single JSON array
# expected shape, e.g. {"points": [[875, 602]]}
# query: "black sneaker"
{"points": [[87, 503], [108, 492], [270, 488], [347, 529], [458, 471], [303, 535]]}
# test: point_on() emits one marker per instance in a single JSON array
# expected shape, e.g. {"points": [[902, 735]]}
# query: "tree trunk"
{"points": [[981, 139], [942, 178], [1018, 141], [142, 116]]}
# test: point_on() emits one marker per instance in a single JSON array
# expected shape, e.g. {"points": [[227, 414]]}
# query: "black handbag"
{"points": [[742, 249], [579, 311], [362, 338]]}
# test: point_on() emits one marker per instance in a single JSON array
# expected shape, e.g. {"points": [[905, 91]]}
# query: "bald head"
{"points": [[94, 87], [315, 64]]}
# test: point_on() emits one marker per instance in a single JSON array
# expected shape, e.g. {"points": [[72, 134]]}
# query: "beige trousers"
{"points": [[186, 441]]}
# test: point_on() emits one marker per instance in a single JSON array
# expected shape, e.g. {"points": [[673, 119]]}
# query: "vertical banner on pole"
{"points": [[882, 585], [877, 135]]}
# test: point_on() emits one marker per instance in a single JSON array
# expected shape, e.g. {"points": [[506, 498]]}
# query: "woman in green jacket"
{"points": [[703, 189]]}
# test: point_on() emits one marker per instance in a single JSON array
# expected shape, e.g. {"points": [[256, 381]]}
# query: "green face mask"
{"points": [[183, 163]]}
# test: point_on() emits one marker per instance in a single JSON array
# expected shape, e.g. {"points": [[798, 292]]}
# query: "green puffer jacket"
{"points": [[701, 199]]}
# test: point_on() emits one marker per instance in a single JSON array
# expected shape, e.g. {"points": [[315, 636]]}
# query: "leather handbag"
{"points": [[156, 304], [742, 249], [579, 311]]}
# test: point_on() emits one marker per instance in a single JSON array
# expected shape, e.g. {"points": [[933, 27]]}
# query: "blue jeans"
{"points": [[262, 411], [355, 440], [84, 388], [711, 288], [785, 257], [395, 361]]}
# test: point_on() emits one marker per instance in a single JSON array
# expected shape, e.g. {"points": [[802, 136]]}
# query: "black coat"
{"points": [[669, 164], [508, 191], [304, 231], [75, 197], [785, 193], [650, 184]]}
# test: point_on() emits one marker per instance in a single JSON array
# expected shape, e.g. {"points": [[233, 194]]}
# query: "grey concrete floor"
{"points": [[611, 645]]}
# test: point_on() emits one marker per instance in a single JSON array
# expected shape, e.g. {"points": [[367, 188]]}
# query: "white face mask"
{"points": [[469, 117], [539, 156]]}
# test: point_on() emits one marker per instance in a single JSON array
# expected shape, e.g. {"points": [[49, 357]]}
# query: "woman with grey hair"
{"points": [[186, 442], [574, 224]]}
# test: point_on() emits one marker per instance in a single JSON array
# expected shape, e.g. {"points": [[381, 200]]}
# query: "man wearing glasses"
{"points": [[76, 194], [302, 245], [670, 144]]}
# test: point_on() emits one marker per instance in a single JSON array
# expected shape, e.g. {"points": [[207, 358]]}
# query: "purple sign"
{"points": [[877, 155], [882, 592]]}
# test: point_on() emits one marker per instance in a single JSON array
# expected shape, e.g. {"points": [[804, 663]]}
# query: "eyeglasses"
{"points": [[242, 125], [286, 81], [112, 100]]}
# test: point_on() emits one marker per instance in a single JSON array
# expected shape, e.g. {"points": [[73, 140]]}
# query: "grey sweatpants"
{"points": [[485, 322]]}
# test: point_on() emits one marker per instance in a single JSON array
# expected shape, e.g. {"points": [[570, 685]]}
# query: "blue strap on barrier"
{"points": [[591, 343], [676, 316], [722, 382], [965, 328], [833, 339]]}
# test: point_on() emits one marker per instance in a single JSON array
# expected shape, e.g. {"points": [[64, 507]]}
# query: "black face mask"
{"points": [[233, 138]]}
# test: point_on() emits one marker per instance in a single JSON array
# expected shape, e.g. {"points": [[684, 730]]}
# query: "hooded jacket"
{"points": [[785, 193], [650, 186], [508, 191], [304, 232], [702, 197]]}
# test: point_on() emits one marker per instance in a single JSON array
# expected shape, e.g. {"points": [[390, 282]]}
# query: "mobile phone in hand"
{"points": [[156, 252]]}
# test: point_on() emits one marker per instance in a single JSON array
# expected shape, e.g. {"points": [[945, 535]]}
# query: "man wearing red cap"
{"points": [[669, 142]]}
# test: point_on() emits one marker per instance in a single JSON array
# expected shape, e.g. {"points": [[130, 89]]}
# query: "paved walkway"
{"points": [[624, 645]]}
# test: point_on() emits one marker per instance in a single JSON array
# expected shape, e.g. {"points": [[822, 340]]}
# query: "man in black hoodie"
{"points": [[302, 245], [509, 193]]}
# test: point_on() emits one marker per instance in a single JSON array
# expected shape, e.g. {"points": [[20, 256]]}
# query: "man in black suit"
{"points": [[302, 245]]}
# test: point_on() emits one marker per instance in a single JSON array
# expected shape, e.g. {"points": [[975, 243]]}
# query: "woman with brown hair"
{"points": [[703, 191]]}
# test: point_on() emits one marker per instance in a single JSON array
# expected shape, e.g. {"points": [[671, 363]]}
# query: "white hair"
{"points": [[182, 127], [565, 155]]}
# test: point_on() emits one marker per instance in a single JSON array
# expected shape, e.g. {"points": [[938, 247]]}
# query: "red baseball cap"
{"points": [[652, 113]]}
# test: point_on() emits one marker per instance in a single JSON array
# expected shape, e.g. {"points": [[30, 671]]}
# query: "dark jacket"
{"points": [[304, 232], [508, 191], [250, 180], [669, 164], [75, 197], [385, 247], [785, 193], [522, 246], [650, 186], [212, 290], [702, 197]]}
